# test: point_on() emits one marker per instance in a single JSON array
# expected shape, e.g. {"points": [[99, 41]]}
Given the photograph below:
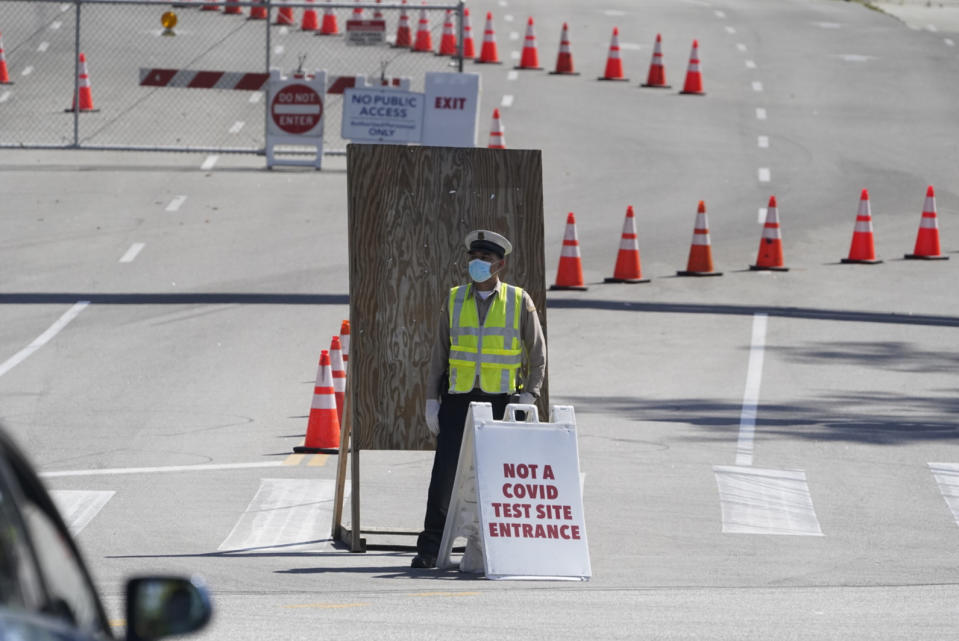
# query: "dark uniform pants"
{"points": [[453, 410]]}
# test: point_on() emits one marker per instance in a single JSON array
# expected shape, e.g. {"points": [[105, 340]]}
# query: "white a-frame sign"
{"points": [[517, 497]]}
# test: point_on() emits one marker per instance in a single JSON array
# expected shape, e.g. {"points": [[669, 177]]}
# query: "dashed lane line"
{"points": [[131, 254], [209, 163], [176, 203], [754, 377]]}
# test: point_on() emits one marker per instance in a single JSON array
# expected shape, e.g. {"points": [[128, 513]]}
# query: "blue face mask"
{"points": [[480, 270]]}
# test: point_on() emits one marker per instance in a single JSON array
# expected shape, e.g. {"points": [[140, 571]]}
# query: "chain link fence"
{"points": [[42, 42]]}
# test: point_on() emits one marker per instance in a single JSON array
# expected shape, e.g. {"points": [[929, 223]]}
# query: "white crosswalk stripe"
{"points": [[947, 477], [759, 501], [285, 515], [79, 507]]}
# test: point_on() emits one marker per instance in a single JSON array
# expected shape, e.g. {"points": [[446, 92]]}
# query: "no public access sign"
{"points": [[297, 109]]}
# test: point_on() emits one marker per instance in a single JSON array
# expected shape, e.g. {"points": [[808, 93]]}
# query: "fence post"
{"points": [[459, 38], [76, 79]]}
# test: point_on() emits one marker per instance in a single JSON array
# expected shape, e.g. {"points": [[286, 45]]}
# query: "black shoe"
{"points": [[422, 562]]}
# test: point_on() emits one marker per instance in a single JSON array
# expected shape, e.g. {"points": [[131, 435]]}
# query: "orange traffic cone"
{"points": [[424, 39], [258, 12], [570, 272], [404, 36], [469, 45], [694, 77], [345, 342], [448, 39], [863, 248], [770, 255], [496, 138], [323, 429], [627, 268], [310, 22], [339, 375], [657, 70], [284, 15], [232, 8], [564, 59], [4, 74], [210, 7], [84, 92], [489, 54], [927, 240], [329, 26], [700, 261], [530, 56], [614, 64]]}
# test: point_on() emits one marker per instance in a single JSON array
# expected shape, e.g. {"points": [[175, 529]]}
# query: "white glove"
{"points": [[433, 416], [525, 398]]}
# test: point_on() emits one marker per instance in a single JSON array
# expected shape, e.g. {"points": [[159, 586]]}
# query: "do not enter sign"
{"points": [[296, 109]]}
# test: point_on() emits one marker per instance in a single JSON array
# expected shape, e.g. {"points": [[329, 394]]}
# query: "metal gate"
{"points": [[212, 58]]}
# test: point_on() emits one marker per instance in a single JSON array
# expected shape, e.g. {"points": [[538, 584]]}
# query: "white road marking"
{"points": [[761, 218], [508, 17], [750, 64], [285, 515], [503, 3], [210, 162], [730, 30], [514, 35], [764, 174], [43, 47], [630, 46], [43, 338], [757, 86], [131, 254], [4, 96], [760, 113], [27, 71], [284, 30], [947, 477], [278, 50], [741, 47], [949, 42], [64, 8], [204, 467], [854, 57], [256, 96], [512, 75], [56, 24], [176, 203], [757, 501], [763, 142], [79, 507], [237, 126], [827, 25], [932, 28], [507, 101], [754, 377], [720, 14], [514, 55], [614, 12]]}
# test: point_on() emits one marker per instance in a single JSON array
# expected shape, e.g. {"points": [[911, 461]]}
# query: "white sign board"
{"points": [[524, 487], [452, 102], [295, 109], [382, 115], [365, 33]]}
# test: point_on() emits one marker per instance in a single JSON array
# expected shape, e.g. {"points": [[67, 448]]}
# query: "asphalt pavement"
{"points": [[765, 455]]}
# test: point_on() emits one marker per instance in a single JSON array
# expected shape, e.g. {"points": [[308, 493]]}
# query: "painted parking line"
{"points": [[43, 338], [210, 162], [131, 254]]}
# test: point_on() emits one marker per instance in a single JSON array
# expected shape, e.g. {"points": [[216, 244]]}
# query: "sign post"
{"points": [[517, 496], [295, 117]]}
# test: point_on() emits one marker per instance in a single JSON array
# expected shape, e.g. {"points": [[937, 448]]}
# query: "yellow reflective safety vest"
{"points": [[495, 347]]}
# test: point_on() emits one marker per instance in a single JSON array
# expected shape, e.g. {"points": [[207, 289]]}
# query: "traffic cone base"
{"points": [[922, 257], [762, 268], [564, 73], [864, 261], [625, 280], [688, 273], [613, 79]]}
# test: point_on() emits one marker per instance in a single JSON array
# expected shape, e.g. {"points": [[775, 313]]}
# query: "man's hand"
{"points": [[433, 416], [525, 398]]}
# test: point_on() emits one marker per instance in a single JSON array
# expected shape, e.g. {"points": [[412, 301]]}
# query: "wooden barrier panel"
{"points": [[410, 209]]}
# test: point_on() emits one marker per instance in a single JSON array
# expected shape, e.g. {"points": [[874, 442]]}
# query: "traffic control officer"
{"points": [[489, 348]]}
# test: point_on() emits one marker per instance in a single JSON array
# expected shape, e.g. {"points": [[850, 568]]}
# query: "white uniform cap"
{"points": [[485, 239]]}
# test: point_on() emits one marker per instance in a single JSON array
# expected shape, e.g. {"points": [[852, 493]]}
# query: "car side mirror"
{"points": [[159, 607]]}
